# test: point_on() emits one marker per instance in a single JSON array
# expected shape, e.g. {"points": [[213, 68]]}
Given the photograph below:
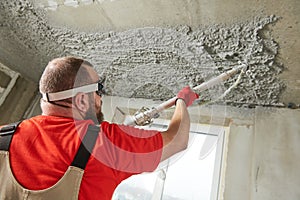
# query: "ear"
{"points": [[82, 102]]}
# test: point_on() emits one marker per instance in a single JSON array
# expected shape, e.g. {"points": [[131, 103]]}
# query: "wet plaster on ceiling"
{"points": [[150, 62]]}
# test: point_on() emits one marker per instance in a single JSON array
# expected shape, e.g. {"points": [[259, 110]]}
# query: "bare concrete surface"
{"points": [[151, 49], [262, 155], [275, 164]]}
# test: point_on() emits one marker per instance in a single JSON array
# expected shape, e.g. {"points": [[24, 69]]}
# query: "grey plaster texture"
{"points": [[151, 62]]}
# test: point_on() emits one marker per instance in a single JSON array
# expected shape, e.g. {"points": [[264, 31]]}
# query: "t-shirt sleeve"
{"points": [[129, 149]]}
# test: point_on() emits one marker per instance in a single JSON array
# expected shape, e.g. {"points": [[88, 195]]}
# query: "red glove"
{"points": [[188, 95]]}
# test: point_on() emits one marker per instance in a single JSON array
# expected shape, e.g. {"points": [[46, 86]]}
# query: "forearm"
{"points": [[176, 137]]}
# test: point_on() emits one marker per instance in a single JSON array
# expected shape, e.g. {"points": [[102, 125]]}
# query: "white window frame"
{"points": [[14, 76], [217, 188], [219, 166]]}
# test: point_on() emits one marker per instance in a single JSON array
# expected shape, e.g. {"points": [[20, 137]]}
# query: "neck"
{"points": [[60, 111]]}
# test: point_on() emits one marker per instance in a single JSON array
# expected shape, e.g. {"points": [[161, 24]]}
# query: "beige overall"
{"points": [[66, 188]]}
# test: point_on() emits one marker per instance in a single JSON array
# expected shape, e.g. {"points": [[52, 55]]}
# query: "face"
{"points": [[95, 112]]}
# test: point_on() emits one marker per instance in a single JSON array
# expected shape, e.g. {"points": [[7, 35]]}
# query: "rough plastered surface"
{"points": [[155, 62]]}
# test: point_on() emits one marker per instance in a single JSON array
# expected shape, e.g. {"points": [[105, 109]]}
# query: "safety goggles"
{"points": [[95, 87]]}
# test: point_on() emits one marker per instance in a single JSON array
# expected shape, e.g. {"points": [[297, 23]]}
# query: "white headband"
{"points": [[72, 92]]}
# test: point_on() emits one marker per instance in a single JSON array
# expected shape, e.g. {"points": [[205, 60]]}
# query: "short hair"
{"points": [[64, 73]]}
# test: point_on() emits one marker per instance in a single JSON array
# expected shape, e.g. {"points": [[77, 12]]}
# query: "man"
{"points": [[45, 152]]}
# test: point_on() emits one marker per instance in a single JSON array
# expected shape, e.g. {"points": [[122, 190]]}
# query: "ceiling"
{"points": [[152, 48]]}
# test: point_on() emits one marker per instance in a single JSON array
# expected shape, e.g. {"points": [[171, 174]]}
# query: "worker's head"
{"points": [[71, 85]]}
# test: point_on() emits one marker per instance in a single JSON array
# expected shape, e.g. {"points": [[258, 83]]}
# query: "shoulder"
{"points": [[127, 131]]}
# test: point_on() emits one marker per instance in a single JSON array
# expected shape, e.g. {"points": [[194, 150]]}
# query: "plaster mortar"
{"points": [[156, 62]]}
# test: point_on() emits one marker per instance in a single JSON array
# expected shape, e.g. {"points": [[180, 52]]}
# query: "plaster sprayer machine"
{"points": [[145, 115]]}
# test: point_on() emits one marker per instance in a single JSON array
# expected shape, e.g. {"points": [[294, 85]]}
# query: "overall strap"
{"points": [[6, 134], [86, 147]]}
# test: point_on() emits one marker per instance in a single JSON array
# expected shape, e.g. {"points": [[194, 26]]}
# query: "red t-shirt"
{"points": [[43, 147]]}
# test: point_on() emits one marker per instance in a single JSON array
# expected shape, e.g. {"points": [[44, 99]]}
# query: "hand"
{"points": [[188, 95]]}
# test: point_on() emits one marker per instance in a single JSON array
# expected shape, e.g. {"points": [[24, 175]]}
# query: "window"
{"points": [[185, 176], [8, 79]]}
